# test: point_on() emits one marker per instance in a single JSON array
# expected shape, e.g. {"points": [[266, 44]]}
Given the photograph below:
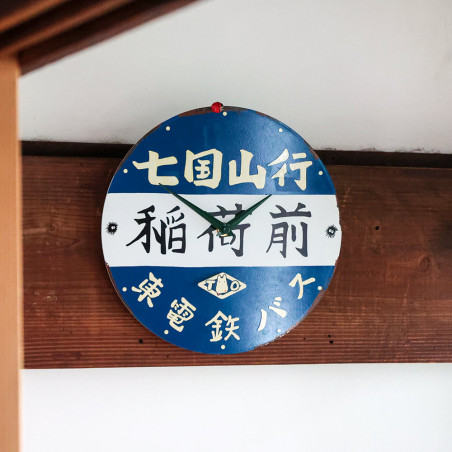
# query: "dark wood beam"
{"points": [[364, 157], [15, 12], [45, 31], [390, 299], [54, 23]]}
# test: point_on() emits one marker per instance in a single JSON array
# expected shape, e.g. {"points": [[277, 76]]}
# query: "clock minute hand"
{"points": [[242, 215], [217, 224]]}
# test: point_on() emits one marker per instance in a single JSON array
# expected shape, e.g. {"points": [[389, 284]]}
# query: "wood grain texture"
{"points": [[390, 299], [10, 258]]}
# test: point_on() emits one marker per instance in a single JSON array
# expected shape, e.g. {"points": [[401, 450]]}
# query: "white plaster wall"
{"points": [[337, 408], [347, 74]]}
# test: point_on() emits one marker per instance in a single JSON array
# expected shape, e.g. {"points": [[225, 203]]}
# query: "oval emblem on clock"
{"points": [[220, 230]]}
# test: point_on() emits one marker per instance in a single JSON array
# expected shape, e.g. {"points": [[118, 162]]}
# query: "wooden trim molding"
{"points": [[10, 258]]}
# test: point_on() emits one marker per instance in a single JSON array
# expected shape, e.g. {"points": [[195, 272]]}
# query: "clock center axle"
{"points": [[225, 230]]}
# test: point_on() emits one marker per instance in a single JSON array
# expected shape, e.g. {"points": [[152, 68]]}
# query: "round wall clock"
{"points": [[220, 230]]}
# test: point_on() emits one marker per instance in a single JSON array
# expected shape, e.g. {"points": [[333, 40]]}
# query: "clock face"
{"points": [[195, 246]]}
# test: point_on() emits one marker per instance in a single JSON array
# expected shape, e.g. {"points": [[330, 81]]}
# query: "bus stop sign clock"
{"points": [[220, 230]]}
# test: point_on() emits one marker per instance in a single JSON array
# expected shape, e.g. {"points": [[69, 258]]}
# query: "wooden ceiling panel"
{"points": [[15, 12], [55, 22], [41, 32]]}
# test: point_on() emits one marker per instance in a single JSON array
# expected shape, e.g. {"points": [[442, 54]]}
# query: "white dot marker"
{"points": [[125, 170], [280, 130], [223, 347], [168, 128], [320, 173], [124, 289], [278, 330], [225, 113], [320, 288], [166, 331], [278, 298]]}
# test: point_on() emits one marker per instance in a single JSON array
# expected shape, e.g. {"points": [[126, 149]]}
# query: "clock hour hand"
{"points": [[217, 224], [242, 215]]}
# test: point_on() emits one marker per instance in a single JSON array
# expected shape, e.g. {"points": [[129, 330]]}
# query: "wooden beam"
{"points": [[54, 22], [39, 32], [390, 299], [79, 24], [363, 157], [10, 258], [15, 12]]}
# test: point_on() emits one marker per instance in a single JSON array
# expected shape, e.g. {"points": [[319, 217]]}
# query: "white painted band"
{"points": [[123, 208]]}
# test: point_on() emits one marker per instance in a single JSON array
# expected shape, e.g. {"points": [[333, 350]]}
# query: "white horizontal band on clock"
{"points": [[122, 209]]}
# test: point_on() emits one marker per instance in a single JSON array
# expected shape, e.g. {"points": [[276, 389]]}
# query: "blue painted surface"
{"points": [[239, 129], [263, 285], [229, 134]]}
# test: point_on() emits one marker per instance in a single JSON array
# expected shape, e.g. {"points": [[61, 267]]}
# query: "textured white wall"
{"points": [[347, 74], [340, 408]]}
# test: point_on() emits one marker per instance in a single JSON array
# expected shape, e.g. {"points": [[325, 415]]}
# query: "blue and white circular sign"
{"points": [[220, 230]]}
